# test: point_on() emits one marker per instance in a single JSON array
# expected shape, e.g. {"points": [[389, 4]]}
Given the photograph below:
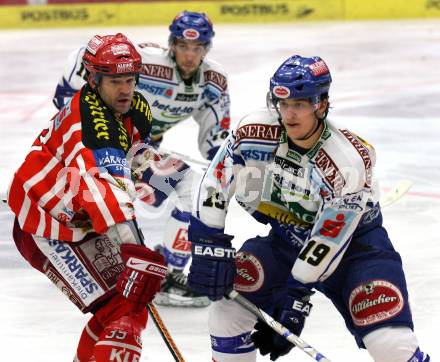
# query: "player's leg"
{"points": [[230, 327], [120, 339], [87, 272], [369, 289], [263, 266], [176, 247], [394, 344]]}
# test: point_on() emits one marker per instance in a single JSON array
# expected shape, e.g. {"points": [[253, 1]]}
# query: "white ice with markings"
{"points": [[386, 88]]}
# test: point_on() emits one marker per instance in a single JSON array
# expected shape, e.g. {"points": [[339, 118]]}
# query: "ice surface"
{"points": [[386, 88]]}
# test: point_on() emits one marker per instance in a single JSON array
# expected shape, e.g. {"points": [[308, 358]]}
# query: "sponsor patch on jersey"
{"points": [[63, 257], [290, 167], [63, 114], [374, 302], [172, 112], [352, 201], [216, 78], [333, 224], [184, 97], [319, 68], [157, 71], [155, 89], [114, 160], [258, 131], [250, 273], [256, 154], [105, 257], [330, 171], [364, 152], [65, 288], [281, 92]]}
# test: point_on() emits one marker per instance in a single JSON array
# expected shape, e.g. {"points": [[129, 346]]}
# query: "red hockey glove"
{"points": [[144, 271]]}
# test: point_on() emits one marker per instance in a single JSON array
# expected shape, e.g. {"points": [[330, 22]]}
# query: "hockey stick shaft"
{"points": [[166, 336], [277, 327]]}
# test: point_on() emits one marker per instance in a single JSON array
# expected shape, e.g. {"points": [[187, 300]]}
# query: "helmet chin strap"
{"points": [[319, 121]]}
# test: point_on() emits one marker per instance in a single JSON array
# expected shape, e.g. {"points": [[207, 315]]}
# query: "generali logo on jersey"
{"points": [[157, 71], [216, 78]]}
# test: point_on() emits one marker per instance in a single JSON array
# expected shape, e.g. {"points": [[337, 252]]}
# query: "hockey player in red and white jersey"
{"points": [[73, 200], [311, 181], [179, 83]]}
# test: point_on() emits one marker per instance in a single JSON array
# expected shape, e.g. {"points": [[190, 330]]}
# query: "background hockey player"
{"points": [[178, 83], [73, 201], [312, 183]]}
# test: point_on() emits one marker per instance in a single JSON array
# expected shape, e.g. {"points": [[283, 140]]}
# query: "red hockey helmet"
{"points": [[111, 55]]}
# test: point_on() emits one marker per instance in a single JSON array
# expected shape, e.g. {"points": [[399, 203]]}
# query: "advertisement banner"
{"points": [[235, 11]]}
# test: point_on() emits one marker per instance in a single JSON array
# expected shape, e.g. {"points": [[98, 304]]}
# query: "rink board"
{"points": [[257, 11]]}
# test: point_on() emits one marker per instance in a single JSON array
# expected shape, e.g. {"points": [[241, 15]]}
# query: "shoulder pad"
{"points": [[261, 125]]}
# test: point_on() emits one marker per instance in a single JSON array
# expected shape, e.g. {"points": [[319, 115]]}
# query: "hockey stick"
{"points": [[276, 326], [396, 192], [166, 336]]}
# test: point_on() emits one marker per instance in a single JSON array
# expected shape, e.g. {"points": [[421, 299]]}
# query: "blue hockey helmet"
{"points": [[191, 26], [301, 78]]}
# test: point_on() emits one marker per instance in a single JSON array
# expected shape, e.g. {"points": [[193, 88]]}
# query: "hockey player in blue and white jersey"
{"points": [[292, 168], [179, 82]]}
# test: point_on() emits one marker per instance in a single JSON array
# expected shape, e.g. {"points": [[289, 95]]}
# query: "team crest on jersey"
{"points": [[374, 302], [281, 92], [250, 273]]}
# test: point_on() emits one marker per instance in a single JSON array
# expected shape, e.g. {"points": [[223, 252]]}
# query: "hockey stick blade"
{"points": [[396, 193], [276, 326]]}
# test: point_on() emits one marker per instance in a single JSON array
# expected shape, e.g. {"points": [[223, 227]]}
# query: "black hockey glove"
{"points": [[291, 313]]}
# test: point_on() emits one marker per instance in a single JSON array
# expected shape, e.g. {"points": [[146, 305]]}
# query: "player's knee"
{"points": [[230, 327], [120, 341], [88, 339], [177, 247], [394, 344]]}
